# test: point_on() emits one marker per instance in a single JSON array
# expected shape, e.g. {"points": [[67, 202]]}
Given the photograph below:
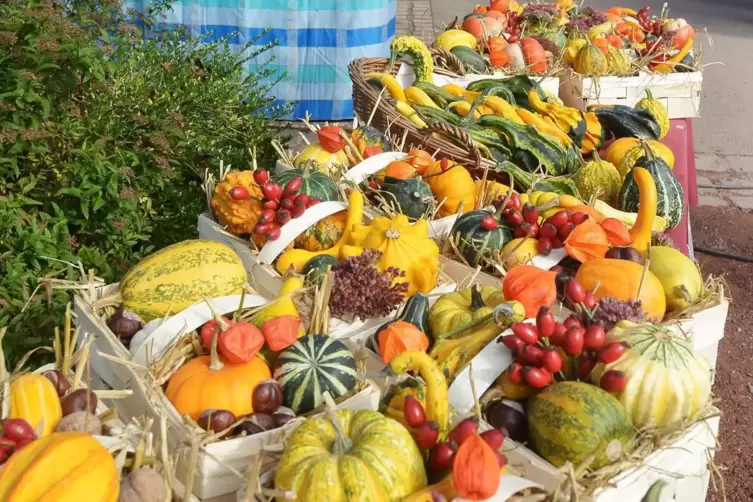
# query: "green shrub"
{"points": [[105, 136]]}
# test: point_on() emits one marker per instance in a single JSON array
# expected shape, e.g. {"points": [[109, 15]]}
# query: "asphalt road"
{"points": [[724, 129]]}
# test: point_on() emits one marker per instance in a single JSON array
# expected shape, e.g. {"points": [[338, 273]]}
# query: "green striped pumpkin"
{"points": [[313, 365], [316, 184], [568, 421], [669, 193], [176, 277], [411, 197], [474, 242]]}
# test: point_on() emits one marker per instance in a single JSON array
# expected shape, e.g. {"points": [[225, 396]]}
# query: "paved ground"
{"points": [[724, 151]]}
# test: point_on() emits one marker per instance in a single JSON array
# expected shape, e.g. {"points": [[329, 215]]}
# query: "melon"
{"points": [[568, 421], [174, 278]]}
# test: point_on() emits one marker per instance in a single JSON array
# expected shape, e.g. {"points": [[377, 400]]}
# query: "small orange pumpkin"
{"points": [[617, 232], [453, 184], [530, 286], [399, 336], [588, 241], [400, 169], [420, 159], [497, 55], [480, 9], [500, 5], [475, 469]]}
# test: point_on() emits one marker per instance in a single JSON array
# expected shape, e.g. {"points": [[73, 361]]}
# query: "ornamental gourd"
{"points": [[678, 275], [530, 286], [668, 382], [618, 62], [657, 109], [476, 242], [364, 137], [205, 382], [410, 46], [622, 279], [411, 197], [598, 178], [632, 155], [594, 137], [176, 277], [64, 467], [316, 185], [403, 245], [569, 421], [34, 398], [453, 310], [239, 215], [590, 61], [669, 191], [365, 456], [454, 37], [318, 158], [393, 400], [283, 305], [453, 187], [323, 234]]}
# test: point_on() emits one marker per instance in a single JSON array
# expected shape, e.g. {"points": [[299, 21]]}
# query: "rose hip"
{"points": [[558, 335], [261, 176], [489, 223], [564, 231], [574, 341], [267, 216], [515, 218], [535, 377], [574, 291], [413, 412], [548, 230], [270, 204], [526, 332], [239, 193], [293, 186], [463, 431], [559, 218], [544, 246], [533, 355], [273, 233], [545, 322], [501, 460], [585, 366], [594, 337], [427, 434], [17, 429], [552, 361], [590, 300], [578, 218], [572, 322], [612, 352], [515, 372], [494, 438], [441, 457], [530, 214], [613, 381], [313, 202], [512, 342]]}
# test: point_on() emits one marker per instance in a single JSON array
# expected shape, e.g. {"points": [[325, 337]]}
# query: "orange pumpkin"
{"points": [[621, 279], [588, 241], [400, 169], [324, 234], [475, 26], [534, 55], [497, 54], [475, 469], [399, 336], [420, 160], [617, 232], [500, 5], [205, 383], [602, 44], [453, 184], [480, 9], [530, 286]]}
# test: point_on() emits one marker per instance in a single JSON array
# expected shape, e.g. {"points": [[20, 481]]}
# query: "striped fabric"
{"points": [[317, 40]]}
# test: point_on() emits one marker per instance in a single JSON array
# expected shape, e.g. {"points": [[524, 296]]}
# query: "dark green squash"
{"points": [[531, 150], [525, 181], [519, 86], [670, 202], [416, 312], [317, 266], [472, 60], [437, 94], [475, 243], [411, 197], [626, 122], [317, 185]]}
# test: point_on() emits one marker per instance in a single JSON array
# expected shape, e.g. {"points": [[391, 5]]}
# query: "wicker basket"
{"points": [[384, 116]]}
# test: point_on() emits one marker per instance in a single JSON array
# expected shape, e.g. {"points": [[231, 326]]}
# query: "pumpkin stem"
{"points": [[477, 300], [392, 233], [649, 95], [596, 156], [647, 149], [342, 443]]}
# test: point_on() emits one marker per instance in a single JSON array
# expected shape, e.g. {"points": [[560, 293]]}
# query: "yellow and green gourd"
{"points": [[598, 178], [678, 274], [627, 162], [415, 49], [618, 62], [590, 61], [657, 109]]}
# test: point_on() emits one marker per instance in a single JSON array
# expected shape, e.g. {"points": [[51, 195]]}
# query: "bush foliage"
{"points": [[105, 135]]}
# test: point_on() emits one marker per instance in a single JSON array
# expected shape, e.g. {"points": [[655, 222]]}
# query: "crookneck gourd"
{"points": [[567, 119], [417, 51], [657, 109]]}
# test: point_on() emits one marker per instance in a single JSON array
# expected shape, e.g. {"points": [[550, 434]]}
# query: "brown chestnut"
{"points": [[216, 420], [62, 385], [283, 415], [267, 396], [76, 401], [254, 424], [624, 253], [124, 324]]}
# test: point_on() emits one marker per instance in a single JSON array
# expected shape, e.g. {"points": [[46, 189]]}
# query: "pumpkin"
{"points": [[205, 383], [621, 279], [316, 157], [617, 232], [398, 169], [398, 337], [316, 185], [657, 109], [588, 241], [180, 275], [598, 178], [630, 158], [64, 467], [453, 187], [474, 242], [393, 400], [568, 421], [453, 310], [238, 215], [313, 365], [497, 55], [403, 245], [33, 398], [530, 286], [669, 191], [317, 266], [475, 469], [590, 60], [678, 275], [411, 197], [323, 234], [420, 159], [534, 54], [669, 383], [366, 456], [364, 137], [519, 251]]}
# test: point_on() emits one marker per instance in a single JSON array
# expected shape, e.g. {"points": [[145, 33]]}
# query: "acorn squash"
{"points": [[411, 197], [668, 382], [476, 243], [678, 274]]}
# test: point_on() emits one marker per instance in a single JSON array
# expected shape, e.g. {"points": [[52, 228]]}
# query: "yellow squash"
{"points": [[519, 251], [641, 231], [678, 274], [452, 185], [404, 245], [62, 467], [416, 96], [34, 399], [297, 258], [410, 113], [502, 108], [391, 84], [283, 305], [454, 38]]}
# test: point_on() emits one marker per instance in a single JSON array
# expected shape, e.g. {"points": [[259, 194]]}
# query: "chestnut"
{"points": [[508, 418], [76, 401], [624, 253], [283, 415], [62, 385], [267, 396], [216, 420], [124, 324], [254, 424]]}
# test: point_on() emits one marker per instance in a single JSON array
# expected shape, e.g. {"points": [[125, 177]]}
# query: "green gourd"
{"points": [[590, 61], [316, 184], [657, 109], [624, 122], [471, 59], [476, 243], [412, 197], [598, 178]]}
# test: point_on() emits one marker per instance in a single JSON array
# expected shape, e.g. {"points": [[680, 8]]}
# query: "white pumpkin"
{"points": [[668, 382]]}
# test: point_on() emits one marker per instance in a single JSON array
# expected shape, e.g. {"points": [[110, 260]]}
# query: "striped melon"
{"points": [[568, 421], [180, 275], [476, 243], [313, 365]]}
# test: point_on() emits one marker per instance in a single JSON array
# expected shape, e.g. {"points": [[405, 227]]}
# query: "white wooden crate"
{"points": [[680, 92]]}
